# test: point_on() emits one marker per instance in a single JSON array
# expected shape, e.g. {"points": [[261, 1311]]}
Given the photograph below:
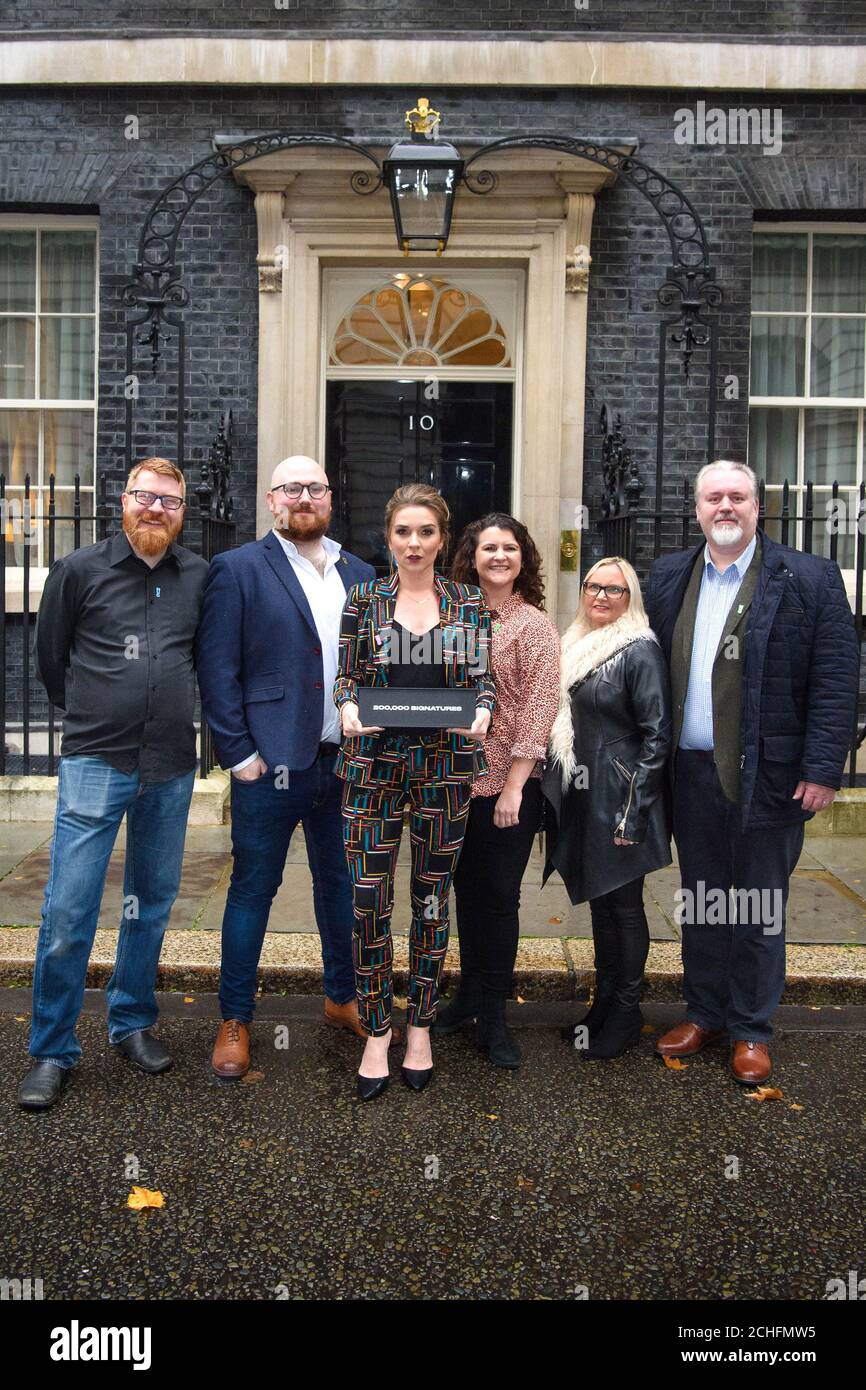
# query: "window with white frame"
{"points": [[807, 392], [48, 396]]}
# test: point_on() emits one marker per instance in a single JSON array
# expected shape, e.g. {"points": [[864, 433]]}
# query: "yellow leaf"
{"points": [[796, 1107], [764, 1093], [491, 1117], [188, 999], [20, 1018], [675, 1063], [141, 1197]]}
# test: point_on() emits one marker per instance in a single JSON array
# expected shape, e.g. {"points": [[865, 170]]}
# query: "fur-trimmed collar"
{"points": [[582, 656]]}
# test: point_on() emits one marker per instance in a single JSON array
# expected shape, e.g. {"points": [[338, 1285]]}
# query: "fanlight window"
{"points": [[419, 321]]}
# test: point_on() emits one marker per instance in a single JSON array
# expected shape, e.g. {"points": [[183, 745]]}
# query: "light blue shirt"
{"points": [[718, 591]]}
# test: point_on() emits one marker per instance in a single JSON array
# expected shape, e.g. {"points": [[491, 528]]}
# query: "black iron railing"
{"points": [[829, 520], [38, 526]]}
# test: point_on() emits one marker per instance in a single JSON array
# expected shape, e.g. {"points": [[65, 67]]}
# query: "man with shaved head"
{"points": [[267, 660]]}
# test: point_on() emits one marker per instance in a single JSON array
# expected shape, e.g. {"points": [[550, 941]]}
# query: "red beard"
{"points": [[303, 526], [151, 540]]}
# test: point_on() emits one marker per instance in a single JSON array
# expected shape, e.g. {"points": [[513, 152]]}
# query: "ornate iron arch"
{"points": [[689, 286]]}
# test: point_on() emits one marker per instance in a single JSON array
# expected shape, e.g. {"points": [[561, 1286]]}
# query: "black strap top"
{"points": [[418, 659]]}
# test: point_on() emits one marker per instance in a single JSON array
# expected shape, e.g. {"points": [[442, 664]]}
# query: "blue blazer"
{"points": [[258, 656]]}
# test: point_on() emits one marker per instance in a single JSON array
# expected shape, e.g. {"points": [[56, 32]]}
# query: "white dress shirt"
{"points": [[326, 596], [718, 591]]}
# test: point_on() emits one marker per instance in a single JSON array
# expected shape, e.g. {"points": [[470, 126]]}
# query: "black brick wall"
{"points": [[63, 149], [731, 18]]}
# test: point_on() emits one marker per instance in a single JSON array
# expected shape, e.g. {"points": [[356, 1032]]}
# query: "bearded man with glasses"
{"points": [[267, 660], [114, 650]]}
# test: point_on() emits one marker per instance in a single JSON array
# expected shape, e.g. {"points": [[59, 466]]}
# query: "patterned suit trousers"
{"points": [[372, 829]]}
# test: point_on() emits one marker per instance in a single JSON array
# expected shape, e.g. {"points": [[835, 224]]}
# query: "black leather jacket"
{"points": [[621, 715]]}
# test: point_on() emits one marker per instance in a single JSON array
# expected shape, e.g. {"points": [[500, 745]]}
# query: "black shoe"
{"points": [[619, 1033], [592, 1020], [369, 1087], [42, 1085], [459, 1013], [492, 1036], [143, 1049], [416, 1080]]}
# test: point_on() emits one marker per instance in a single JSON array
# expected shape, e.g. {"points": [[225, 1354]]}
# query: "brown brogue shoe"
{"points": [[231, 1054], [346, 1016], [750, 1063], [686, 1039]]}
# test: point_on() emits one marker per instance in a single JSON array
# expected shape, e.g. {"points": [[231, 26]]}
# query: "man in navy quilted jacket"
{"points": [[764, 662]]}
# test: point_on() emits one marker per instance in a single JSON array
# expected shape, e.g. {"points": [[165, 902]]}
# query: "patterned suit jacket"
{"points": [[365, 636]]}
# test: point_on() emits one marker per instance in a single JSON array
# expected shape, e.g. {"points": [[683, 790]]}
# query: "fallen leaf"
{"points": [[648, 1028], [252, 1077], [675, 1063], [188, 999], [246, 1143], [796, 1107], [636, 1186], [764, 1093], [141, 1197], [20, 1018], [491, 1117], [520, 1000], [525, 1182], [554, 921]]}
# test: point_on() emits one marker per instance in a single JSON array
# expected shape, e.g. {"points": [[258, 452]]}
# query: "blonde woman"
{"points": [[605, 785]]}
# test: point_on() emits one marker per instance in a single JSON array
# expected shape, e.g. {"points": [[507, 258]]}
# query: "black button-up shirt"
{"points": [[114, 649]]}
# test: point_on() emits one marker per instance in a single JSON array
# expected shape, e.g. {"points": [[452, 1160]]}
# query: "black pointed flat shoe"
{"points": [[145, 1052], [42, 1085], [369, 1087], [416, 1080]]}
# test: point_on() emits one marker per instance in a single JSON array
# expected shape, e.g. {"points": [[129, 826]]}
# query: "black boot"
{"points": [[459, 1012], [465, 1007], [621, 1029], [605, 951], [491, 1034]]}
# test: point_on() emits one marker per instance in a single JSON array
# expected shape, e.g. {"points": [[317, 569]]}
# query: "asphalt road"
{"points": [[622, 1180]]}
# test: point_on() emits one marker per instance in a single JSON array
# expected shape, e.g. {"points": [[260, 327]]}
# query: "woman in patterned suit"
{"points": [[414, 628]]}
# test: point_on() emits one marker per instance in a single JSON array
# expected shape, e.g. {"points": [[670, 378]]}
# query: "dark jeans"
{"points": [[264, 817], [733, 946], [487, 890], [92, 798]]}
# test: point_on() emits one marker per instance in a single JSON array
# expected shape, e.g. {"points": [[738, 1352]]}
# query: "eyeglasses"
{"points": [[147, 499], [295, 490], [613, 590]]}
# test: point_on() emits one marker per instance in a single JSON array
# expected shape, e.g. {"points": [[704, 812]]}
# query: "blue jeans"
{"points": [[264, 817], [92, 798]]}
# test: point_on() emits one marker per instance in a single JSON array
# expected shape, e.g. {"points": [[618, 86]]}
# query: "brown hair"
{"points": [[420, 495], [163, 466], [529, 582]]}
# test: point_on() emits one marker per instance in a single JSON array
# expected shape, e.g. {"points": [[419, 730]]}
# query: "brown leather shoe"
{"points": [[686, 1039], [231, 1054], [750, 1062], [346, 1016]]}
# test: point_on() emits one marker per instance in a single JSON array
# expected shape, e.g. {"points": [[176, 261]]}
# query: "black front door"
{"points": [[381, 434]]}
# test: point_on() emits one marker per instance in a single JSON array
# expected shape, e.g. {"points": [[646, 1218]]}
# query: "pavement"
{"points": [[564, 1180], [826, 922]]}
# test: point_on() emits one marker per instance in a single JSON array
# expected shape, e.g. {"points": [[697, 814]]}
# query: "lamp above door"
{"points": [[422, 174]]}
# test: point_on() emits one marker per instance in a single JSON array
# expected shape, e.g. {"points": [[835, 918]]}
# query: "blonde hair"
{"points": [[162, 466], [420, 495], [634, 619]]}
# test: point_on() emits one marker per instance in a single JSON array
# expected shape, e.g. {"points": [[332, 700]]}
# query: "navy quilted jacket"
{"points": [[800, 674]]}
